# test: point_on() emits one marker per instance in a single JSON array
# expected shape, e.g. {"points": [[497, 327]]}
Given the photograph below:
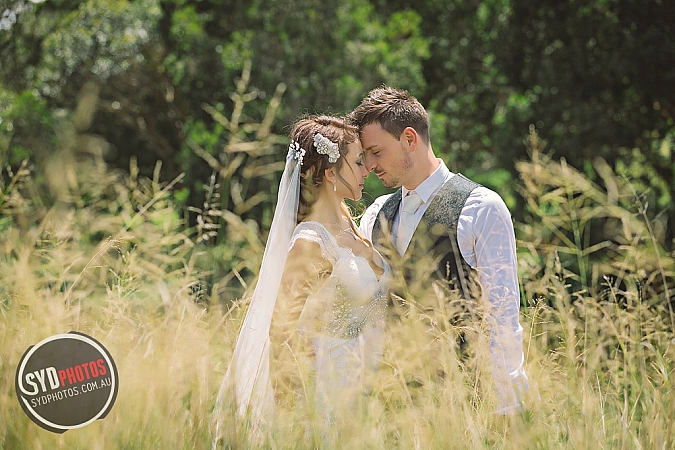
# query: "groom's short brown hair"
{"points": [[394, 109]]}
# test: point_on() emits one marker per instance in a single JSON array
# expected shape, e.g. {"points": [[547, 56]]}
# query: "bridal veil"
{"points": [[247, 381]]}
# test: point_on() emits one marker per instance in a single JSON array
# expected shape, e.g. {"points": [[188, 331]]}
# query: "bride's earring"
{"points": [[334, 185]]}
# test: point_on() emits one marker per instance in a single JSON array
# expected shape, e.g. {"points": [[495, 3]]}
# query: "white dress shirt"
{"points": [[487, 243]]}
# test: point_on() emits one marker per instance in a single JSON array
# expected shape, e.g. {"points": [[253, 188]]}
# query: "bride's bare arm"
{"points": [[305, 270]]}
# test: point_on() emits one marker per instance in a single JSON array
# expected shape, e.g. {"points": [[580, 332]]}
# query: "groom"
{"points": [[463, 227]]}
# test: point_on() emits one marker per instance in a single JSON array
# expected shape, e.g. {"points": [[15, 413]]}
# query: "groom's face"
{"points": [[386, 156]]}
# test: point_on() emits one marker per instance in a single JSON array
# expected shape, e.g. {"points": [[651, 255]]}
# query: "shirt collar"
{"points": [[432, 183]]}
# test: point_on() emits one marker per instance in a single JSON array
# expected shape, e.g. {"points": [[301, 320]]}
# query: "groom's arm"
{"points": [[485, 232]]}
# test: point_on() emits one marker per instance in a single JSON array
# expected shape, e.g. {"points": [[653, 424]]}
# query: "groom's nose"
{"points": [[370, 162]]}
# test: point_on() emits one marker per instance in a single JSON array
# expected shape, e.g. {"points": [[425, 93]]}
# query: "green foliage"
{"points": [[635, 167], [593, 77], [26, 125], [103, 38]]}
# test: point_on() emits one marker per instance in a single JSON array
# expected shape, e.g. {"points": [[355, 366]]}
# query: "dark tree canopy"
{"points": [[594, 77]]}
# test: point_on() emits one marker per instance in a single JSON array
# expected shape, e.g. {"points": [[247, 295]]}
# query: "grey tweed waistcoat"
{"points": [[435, 236]]}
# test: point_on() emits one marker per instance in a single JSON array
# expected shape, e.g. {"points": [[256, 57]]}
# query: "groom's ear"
{"points": [[409, 138]]}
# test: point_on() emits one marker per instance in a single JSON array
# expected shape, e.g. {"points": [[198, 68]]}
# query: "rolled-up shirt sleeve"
{"points": [[487, 242]]}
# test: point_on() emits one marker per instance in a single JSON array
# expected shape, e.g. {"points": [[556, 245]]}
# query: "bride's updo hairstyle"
{"points": [[314, 163]]}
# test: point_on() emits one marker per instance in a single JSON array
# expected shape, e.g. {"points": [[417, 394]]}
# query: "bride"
{"points": [[322, 291]]}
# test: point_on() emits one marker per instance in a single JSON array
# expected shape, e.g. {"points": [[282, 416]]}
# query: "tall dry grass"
{"points": [[113, 259], [600, 316]]}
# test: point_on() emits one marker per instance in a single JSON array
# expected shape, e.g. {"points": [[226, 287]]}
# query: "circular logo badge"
{"points": [[66, 381]]}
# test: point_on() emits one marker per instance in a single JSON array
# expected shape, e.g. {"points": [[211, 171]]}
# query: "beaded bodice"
{"points": [[352, 299]]}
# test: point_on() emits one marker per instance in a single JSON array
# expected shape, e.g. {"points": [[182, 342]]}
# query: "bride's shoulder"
{"points": [[310, 228], [315, 233], [304, 246]]}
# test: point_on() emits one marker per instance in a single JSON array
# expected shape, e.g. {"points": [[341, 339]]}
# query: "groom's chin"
{"points": [[390, 184]]}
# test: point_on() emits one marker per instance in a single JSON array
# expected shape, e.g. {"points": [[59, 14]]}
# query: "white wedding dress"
{"points": [[344, 320]]}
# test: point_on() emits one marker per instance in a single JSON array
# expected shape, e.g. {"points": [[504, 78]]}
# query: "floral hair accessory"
{"points": [[325, 146], [296, 151]]}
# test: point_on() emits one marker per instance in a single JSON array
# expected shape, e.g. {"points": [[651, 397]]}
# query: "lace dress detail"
{"points": [[344, 318], [352, 299]]}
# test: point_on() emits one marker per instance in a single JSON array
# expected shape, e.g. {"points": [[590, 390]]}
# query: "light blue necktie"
{"points": [[406, 224]]}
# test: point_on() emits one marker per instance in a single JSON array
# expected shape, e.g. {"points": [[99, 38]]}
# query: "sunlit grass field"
{"points": [[114, 260]]}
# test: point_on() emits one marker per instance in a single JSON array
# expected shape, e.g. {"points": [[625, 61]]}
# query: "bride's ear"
{"points": [[329, 175]]}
